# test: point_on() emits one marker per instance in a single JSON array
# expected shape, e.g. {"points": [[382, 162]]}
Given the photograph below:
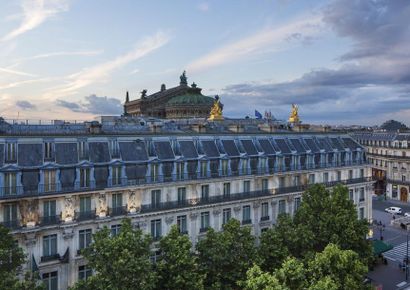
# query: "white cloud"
{"points": [[63, 53], [34, 13], [101, 72], [15, 72], [269, 39], [11, 85]]}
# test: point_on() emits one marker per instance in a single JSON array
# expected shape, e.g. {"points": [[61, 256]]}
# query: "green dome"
{"points": [[195, 99]]}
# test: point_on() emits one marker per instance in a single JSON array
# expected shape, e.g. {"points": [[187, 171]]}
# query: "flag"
{"points": [[258, 115]]}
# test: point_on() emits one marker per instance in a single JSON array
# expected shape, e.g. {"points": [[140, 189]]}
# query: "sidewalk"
{"points": [[389, 276]]}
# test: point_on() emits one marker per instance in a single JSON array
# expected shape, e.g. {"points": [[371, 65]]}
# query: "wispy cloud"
{"points": [[15, 72], [26, 82], [34, 13], [271, 39], [102, 71], [63, 53]]}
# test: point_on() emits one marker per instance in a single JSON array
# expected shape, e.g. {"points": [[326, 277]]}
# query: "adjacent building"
{"points": [[389, 155], [60, 183]]}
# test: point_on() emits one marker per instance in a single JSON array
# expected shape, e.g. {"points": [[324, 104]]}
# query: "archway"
{"points": [[403, 194]]}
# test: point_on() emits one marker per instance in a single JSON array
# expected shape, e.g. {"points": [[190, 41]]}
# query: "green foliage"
{"points": [[292, 274], [178, 267], [224, 257], [121, 262], [11, 259], [258, 280]]}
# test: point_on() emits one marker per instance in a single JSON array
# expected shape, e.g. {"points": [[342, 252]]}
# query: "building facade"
{"points": [[389, 155], [56, 190]]}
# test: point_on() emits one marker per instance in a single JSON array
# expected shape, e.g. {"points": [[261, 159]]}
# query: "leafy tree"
{"points": [[292, 274], [330, 217], [258, 280], [12, 258], [121, 262], [224, 257], [178, 268], [343, 267]]}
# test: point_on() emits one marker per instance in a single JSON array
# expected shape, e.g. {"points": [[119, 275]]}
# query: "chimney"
{"points": [[163, 88]]}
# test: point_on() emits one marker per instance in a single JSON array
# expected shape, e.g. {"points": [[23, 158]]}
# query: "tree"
{"points": [[120, 262], [277, 243], [225, 257], [259, 280], [178, 267], [12, 258], [330, 217], [343, 267]]}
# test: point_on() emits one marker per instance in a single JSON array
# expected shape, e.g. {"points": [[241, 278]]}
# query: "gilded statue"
{"points": [[216, 110], [294, 115]]}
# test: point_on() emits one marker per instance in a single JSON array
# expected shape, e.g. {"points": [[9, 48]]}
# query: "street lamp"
{"points": [[381, 228]]}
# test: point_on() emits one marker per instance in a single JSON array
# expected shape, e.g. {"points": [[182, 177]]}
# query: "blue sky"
{"points": [[342, 63]]}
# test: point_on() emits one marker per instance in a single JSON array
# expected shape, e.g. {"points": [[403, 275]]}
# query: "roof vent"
{"points": [[163, 88]]}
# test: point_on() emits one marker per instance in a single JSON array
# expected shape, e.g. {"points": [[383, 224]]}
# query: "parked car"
{"points": [[407, 214], [394, 210]]}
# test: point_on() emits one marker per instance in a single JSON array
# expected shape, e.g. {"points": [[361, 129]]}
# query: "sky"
{"points": [[342, 62]]}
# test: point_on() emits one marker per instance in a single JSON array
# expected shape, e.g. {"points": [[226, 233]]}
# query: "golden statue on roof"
{"points": [[216, 110], [294, 115]]}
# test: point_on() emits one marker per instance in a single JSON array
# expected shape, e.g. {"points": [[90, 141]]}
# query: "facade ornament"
{"points": [[237, 208], [274, 202], [294, 115], [132, 203], [102, 205], [68, 211], [216, 110], [193, 215], [144, 94], [216, 212], [169, 220], [68, 232], [183, 79], [256, 204], [29, 212]]}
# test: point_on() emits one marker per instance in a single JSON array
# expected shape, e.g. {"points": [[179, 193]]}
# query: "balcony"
{"points": [[12, 225], [50, 220], [265, 218], [49, 258], [85, 215], [116, 211], [203, 230], [246, 222]]}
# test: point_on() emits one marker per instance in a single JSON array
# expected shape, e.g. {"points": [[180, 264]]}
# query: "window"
{"points": [[403, 178], [204, 221], [116, 200], [11, 152], [49, 211], [351, 194], [227, 189], [10, 183], [181, 195], [10, 215], [156, 230], [246, 214], [281, 182], [297, 203], [85, 204], [48, 150], [205, 192], [181, 222], [244, 166], [339, 175], [114, 148], [115, 230], [180, 170], [296, 180], [50, 280], [226, 215], [264, 211], [155, 198], [84, 177], [361, 173], [154, 172], [282, 206], [84, 272], [246, 186], [224, 167], [85, 237], [265, 184], [361, 213], [116, 175], [204, 169], [350, 174], [361, 194], [326, 177], [49, 245], [49, 180], [83, 150], [311, 178]]}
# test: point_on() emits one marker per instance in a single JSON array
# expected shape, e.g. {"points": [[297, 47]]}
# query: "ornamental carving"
{"points": [[169, 219], [102, 205], [29, 212], [133, 202], [193, 215], [236, 208], [256, 204], [216, 212], [68, 211]]}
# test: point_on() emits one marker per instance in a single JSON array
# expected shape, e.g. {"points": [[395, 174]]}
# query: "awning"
{"points": [[380, 247]]}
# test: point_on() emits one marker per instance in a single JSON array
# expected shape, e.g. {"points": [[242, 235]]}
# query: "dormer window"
{"points": [[114, 148], [48, 150], [83, 150], [11, 152]]}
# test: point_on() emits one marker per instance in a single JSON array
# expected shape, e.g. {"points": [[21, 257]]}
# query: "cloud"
{"points": [[10, 85], [204, 7], [16, 72], [62, 53], [25, 105], [373, 77], [101, 72], [272, 39], [34, 13], [94, 105]]}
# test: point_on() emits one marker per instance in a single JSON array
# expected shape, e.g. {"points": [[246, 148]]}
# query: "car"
{"points": [[407, 214], [394, 210]]}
